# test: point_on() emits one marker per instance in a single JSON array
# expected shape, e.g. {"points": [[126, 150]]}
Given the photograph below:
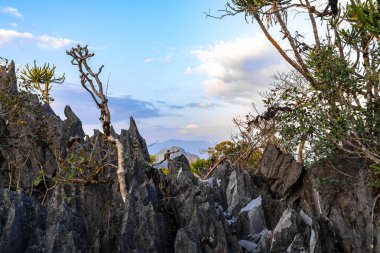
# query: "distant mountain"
{"points": [[160, 155], [194, 147]]}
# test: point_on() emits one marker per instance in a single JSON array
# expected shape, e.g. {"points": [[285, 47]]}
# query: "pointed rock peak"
{"points": [[112, 131], [70, 115], [133, 131], [48, 109], [73, 125], [181, 160], [132, 124], [11, 67], [8, 79]]}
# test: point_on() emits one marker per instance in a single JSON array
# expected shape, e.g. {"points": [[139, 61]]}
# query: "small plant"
{"points": [[326, 183], [376, 170], [40, 79]]}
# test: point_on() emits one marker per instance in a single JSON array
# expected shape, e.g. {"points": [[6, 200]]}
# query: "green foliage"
{"points": [[332, 101], [200, 166], [34, 77], [42, 177], [220, 150], [365, 16], [234, 152], [165, 170], [74, 165], [325, 184], [376, 170], [152, 159]]}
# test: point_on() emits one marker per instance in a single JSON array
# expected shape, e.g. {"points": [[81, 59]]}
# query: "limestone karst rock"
{"points": [[283, 208]]}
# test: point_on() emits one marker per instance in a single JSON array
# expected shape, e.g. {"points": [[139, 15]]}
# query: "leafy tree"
{"points": [[40, 79], [332, 100], [235, 152], [152, 159], [220, 150], [200, 166]]}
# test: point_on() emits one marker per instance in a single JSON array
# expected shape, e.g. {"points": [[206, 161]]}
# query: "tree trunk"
{"points": [[120, 166]]}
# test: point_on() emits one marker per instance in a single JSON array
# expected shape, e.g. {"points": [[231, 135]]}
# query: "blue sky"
{"points": [[179, 74]]}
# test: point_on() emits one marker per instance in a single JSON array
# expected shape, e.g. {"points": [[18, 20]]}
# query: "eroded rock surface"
{"points": [[283, 208]]}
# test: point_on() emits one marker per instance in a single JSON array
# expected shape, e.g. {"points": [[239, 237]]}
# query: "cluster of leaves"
{"points": [[200, 167], [365, 16], [39, 79], [232, 152], [376, 170], [326, 184]]}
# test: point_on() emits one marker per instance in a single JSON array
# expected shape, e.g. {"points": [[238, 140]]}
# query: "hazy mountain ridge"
{"points": [[160, 155], [198, 148]]}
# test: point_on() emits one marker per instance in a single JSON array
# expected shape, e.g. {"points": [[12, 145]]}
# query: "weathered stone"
{"points": [[251, 220], [285, 231], [297, 245], [317, 210], [264, 241], [72, 124], [280, 170], [240, 191], [248, 246], [8, 79]]}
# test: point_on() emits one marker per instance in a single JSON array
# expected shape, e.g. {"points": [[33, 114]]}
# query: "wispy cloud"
{"points": [[12, 36], [237, 69], [201, 105], [191, 126], [121, 108], [46, 41], [165, 59], [21, 38], [12, 11]]}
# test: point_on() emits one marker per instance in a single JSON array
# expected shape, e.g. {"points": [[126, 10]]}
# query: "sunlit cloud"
{"points": [[191, 126], [12, 11], [238, 69], [46, 41], [201, 105], [21, 38], [165, 59], [12, 36]]}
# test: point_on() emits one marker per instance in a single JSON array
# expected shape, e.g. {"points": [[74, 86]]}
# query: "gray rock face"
{"points": [[281, 209], [285, 231], [240, 190], [251, 220], [8, 79], [280, 170], [202, 228]]}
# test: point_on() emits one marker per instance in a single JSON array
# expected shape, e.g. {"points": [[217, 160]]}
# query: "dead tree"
{"points": [[92, 84]]}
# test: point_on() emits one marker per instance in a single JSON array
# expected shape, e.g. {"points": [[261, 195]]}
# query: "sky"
{"points": [[180, 74]]}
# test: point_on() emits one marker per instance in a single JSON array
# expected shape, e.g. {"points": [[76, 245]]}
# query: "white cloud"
{"points": [[191, 126], [8, 36], [188, 129], [238, 69], [166, 59], [12, 11], [13, 24], [44, 41]]}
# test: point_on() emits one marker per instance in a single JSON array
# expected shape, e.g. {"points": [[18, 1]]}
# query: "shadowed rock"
{"points": [[280, 170]]}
